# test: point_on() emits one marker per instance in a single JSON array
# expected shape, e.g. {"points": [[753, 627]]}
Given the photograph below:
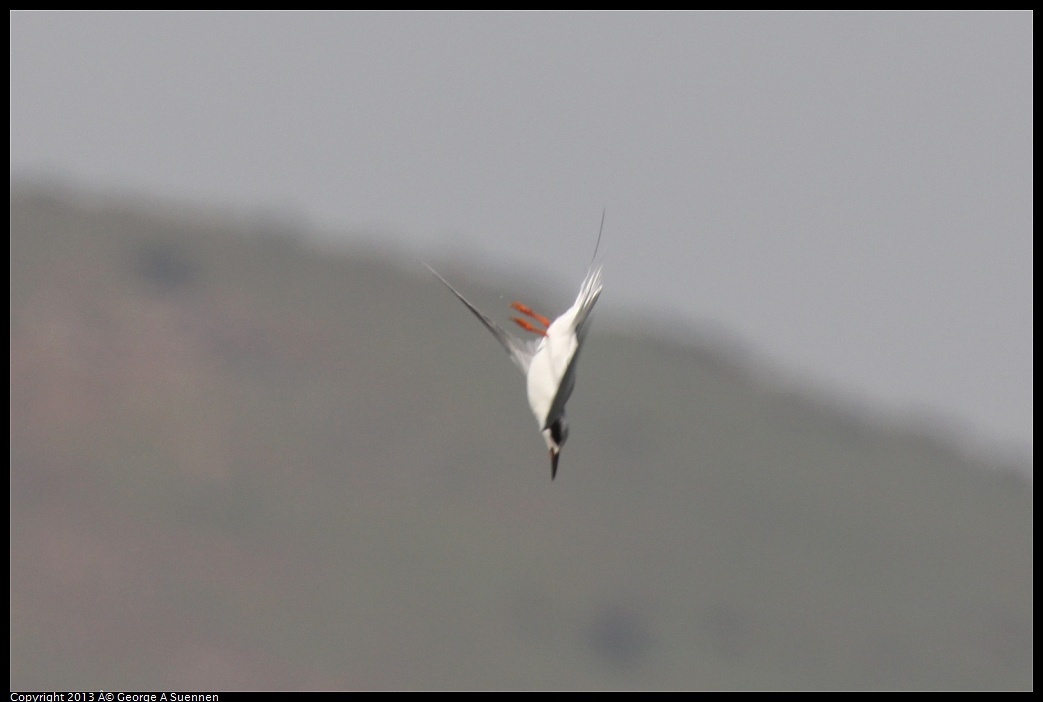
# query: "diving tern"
{"points": [[548, 362]]}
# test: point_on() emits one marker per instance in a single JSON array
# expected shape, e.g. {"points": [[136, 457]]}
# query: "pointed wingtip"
{"points": [[600, 230], [553, 464]]}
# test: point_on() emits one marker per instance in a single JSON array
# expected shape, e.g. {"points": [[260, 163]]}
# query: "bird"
{"points": [[548, 361]]}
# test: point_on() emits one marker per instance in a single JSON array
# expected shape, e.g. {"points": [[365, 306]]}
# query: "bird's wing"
{"points": [[577, 318], [566, 334], [521, 352], [589, 292]]}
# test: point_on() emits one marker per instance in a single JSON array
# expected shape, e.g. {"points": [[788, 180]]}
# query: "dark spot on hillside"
{"points": [[165, 266], [619, 636]]}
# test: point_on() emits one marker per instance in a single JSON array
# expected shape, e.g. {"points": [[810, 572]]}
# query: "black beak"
{"points": [[553, 463]]}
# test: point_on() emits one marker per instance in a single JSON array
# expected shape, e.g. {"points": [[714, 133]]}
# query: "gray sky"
{"points": [[848, 194]]}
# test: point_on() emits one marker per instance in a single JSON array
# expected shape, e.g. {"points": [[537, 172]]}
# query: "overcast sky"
{"points": [[849, 195]]}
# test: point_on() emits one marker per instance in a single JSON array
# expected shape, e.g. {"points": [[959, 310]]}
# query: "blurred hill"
{"points": [[242, 461]]}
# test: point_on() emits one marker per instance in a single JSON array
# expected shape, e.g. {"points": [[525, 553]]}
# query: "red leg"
{"points": [[527, 326], [526, 310]]}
